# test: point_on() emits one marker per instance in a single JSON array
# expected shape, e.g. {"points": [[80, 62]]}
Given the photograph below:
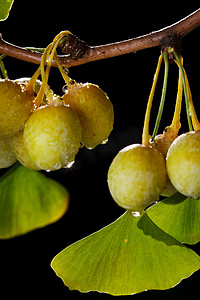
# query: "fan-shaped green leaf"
{"points": [[178, 216], [5, 7], [128, 256], [29, 200]]}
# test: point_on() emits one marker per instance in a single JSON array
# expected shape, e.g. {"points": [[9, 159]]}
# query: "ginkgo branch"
{"points": [[170, 36]]}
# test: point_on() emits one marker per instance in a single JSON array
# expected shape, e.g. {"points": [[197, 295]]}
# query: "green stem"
{"points": [[162, 100], [41, 50], [185, 90], [2, 67]]}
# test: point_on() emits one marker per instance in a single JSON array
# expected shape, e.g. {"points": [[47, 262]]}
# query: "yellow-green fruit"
{"points": [[17, 145], [52, 137], [161, 143], [94, 110], [136, 177], [183, 163], [24, 80], [169, 189], [16, 105], [7, 157]]}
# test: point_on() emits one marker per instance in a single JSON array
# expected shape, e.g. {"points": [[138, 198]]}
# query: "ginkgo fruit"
{"points": [[94, 110], [161, 143], [137, 176], [24, 81], [7, 157], [17, 145], [52, 137], [16, 106], [183, 163]]}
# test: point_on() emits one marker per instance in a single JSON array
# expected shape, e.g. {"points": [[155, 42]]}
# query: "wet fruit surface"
{"points": [[16, 106], [52, 137], [183, 163], [137, 177], [7, 157], [17, 145], [94, 110]]}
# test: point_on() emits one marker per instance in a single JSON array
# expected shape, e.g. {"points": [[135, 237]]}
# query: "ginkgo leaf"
{"points": [[128, 256], [178, 216], [29, 200], [5, 7]]}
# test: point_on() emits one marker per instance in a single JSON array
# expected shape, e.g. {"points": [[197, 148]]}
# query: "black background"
{"points": [[25, 261]]}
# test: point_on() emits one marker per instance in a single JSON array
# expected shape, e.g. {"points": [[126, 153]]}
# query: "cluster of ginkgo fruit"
{"points": [[163, 165], [44, 131]]}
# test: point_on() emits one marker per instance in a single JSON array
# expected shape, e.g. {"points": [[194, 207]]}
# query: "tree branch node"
{"points": [[74, 47], [171, 41]]}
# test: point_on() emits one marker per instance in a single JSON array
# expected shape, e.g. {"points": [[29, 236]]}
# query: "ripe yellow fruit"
{"points": [[7, 157], [136, 177], [24, 80], [16, 106], [17, 145], [52, 137], [183, 163], [161, 143], [94, 110]]}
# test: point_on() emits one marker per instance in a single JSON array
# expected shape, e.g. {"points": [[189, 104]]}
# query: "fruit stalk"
{"points": [[47, 58], [145, 134], [2, 67], [162, 101], [176, 124], [185, 89], [195, 121]]}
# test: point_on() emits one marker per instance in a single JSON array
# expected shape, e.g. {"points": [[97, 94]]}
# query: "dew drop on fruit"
{"points": [[57, 166], [104, 142], [135, 214], [69, 165], [53, 143], [65, 88]]}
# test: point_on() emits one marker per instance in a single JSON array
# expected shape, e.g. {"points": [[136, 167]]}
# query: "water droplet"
{"points": [[36, 139], [46, 129], [104, 142], [65, 88], [56, 99], [57, 166], [66, 70], [72, 82], [53, 143], [69, 165], [135, 214]]}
